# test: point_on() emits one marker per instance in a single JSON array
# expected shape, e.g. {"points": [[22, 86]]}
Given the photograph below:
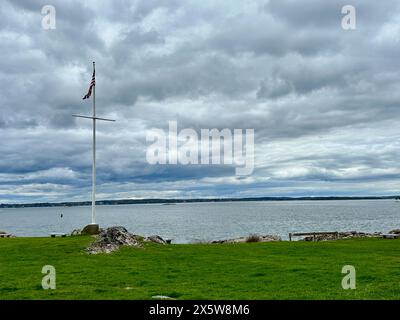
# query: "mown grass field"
{"points": [[281, 270]]}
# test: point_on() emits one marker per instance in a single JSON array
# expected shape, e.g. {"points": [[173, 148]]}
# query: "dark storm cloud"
{"points": [[323, 101]]}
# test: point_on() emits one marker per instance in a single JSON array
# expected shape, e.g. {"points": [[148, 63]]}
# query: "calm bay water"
{"points": [[189, 222]]}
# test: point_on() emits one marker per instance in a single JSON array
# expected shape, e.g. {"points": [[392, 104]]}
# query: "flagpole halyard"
{"points": [[94, 153]]}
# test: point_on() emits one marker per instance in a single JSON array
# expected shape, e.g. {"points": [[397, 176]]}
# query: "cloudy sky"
{"points": [[323, 101]]}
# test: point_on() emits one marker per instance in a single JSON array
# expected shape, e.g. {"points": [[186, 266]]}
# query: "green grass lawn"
{"points": [[278, 270]]}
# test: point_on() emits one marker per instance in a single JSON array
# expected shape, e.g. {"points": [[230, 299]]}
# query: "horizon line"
{"points": [[193, 200]]}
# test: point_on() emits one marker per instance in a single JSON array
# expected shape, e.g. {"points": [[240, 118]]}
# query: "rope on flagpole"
{"points": [[94, 152]]}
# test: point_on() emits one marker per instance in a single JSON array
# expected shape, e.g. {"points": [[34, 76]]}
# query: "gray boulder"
{"points": [[82, 232], [112, 239], [91, 229], [4, 234], [76, 232], [156, 239], [251, 238]]}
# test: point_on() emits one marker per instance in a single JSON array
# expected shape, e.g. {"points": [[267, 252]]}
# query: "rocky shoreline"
{"points": [[251, 238], [348, 235], [113, 238]]}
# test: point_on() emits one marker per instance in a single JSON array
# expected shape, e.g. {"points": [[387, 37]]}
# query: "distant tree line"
{"points": [[175, 201]]}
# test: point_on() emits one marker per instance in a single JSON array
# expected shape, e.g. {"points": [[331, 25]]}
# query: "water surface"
{"points": [[190, 222]]}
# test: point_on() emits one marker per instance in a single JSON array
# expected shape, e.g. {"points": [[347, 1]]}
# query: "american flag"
{"points": [[92, 84]]}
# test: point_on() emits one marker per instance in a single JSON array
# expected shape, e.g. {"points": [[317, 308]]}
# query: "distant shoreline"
{"points": [[176, 201]]}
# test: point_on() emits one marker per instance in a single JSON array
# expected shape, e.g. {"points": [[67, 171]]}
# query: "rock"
{"points": [[162, 298], [395, 231], [269, 238], [112, 239], [4, 234], [91, 229], [76, 232], [341, 235], [252, 238], [80, 232], [156, 239]]}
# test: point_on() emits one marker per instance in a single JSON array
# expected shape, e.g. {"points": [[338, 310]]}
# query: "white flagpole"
{"points": [[94, 155], [94, 118]]}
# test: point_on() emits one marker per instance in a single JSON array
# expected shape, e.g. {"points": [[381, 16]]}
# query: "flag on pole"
{"points": [[92, 84]]}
